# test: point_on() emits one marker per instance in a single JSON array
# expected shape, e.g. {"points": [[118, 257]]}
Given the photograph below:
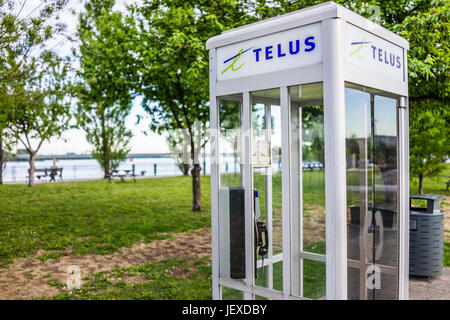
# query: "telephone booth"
{"points": [[309, 149]]}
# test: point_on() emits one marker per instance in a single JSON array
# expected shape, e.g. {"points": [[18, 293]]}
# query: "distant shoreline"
{"points": [[24, 157]]}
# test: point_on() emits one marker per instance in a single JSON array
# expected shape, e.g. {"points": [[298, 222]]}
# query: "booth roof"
{"points": [[324, 11]]}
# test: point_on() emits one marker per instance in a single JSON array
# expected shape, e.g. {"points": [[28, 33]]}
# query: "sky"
{"points": [[74, 140]]}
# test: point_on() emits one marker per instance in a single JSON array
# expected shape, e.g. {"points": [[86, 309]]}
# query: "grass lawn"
{"points": [[95, 216], [169, 279]]}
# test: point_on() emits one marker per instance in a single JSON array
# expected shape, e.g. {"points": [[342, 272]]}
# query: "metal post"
{"points": [[214, 162], [269, 212], [333, 33], [403, 198], [296, 198], [247, 183], [286, 187]]}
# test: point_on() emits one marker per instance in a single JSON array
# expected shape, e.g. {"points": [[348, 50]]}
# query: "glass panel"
{"points": [[276, 181], [314, 279], [231, 194], [266, 163], [313, 146], [231, 294], [308, 183], [358, 138], [385, 195], [371, 151], [262, 279], [230, 141]]}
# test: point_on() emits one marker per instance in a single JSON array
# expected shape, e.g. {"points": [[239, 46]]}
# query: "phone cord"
{"points": [[262, 266]]}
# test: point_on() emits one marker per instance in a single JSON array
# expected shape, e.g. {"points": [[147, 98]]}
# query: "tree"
{"points": [[429, 86], [21, 41], [37, 109], [429, 143], [20, 38], [172, 63], [103, 92]]}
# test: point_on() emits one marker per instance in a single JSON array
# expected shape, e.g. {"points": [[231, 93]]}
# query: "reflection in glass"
{"points": [[358, 139], [385, 194], [371, 153]]}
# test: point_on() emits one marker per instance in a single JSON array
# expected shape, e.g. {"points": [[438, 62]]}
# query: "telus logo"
{"points": [[280, 51], [378, 54], [270, 52]]}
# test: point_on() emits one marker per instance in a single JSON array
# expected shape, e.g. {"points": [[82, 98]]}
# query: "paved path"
{"points": [[438, 289]]}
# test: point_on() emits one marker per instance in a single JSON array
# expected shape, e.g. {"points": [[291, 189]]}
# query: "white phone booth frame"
{"points": [[337, 28]]}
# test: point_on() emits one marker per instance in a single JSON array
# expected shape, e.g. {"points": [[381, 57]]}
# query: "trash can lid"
{"points": [[426, 196]]}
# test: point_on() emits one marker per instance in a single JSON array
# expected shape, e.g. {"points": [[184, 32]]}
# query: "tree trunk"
{"points": [[105, 156], [196, 191], [184, 169], [421, 183], [32, 169], [106, 168]]}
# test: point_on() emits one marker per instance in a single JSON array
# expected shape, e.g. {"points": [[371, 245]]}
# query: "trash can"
{"points": [[426, 236]]}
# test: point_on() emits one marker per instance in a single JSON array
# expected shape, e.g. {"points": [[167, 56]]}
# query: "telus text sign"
{"points": [[369, 51], [280, 51]]}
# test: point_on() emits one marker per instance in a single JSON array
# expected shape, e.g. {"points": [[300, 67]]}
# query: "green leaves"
{"points": [[429, 132], [32, 80], [104, 91]]}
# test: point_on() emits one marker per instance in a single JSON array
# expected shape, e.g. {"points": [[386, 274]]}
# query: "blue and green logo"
{"points": [[235, 60], [380, 55], [360, 45]]}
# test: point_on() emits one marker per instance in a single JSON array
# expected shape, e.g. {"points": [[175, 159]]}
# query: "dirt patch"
{"points": [[181, 271], [313, 224], [29, 277], [129, 279]]}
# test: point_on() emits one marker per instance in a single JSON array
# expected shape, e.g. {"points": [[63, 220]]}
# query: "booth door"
{"points": [[372, 220]]}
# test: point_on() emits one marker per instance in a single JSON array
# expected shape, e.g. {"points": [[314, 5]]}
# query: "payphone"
{"points": [[232, 235]]}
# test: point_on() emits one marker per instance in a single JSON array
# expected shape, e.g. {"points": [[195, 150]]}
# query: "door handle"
{"points": [[367, 225], [379, 247]]}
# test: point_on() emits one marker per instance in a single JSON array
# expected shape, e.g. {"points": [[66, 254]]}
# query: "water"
{"points": [[89, 169]]}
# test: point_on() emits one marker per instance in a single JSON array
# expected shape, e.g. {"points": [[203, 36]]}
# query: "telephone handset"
{"points": [[261, 234], [262, 238]]}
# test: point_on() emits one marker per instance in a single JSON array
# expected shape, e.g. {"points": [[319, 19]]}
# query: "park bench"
{"points": [[122, 175], [44, 173]]}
